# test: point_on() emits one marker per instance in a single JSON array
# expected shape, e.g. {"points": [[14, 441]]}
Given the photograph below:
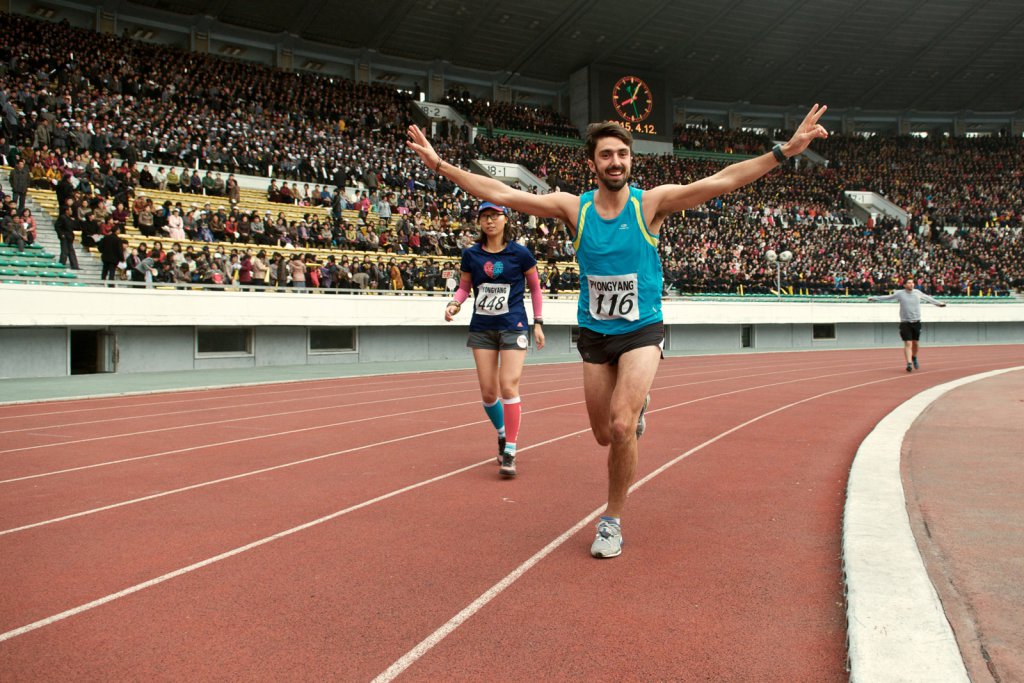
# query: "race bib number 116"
{"points": [[614, 297]]}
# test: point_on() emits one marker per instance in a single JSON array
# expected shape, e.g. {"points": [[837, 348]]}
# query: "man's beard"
{"points": [[614, 184]]}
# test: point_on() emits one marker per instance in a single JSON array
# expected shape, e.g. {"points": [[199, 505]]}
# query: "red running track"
{"points": [[357, 528]]}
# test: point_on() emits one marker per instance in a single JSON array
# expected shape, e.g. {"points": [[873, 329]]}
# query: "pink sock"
{"points": [[513, 415]]}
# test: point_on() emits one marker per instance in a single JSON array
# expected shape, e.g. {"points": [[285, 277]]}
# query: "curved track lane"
{"points": [[334, 552]]}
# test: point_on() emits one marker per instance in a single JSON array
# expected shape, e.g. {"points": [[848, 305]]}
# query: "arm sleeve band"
{"points": [[533, 281], [462, 293]]}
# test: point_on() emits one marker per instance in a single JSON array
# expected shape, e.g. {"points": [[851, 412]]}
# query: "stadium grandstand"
{"points": [[200, 168], [217, 206]]}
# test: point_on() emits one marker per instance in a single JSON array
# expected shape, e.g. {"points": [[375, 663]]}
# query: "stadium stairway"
{"points": [[89, 264], [90, 267]]}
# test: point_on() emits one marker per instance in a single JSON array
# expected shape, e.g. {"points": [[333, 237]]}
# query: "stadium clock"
{"points": [[632, 99]]}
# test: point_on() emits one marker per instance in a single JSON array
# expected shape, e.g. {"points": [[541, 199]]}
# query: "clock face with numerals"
{"points": [[632, 99]]}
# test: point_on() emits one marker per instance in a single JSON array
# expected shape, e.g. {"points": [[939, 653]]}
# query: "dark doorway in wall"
{"points": [[92, 352]]}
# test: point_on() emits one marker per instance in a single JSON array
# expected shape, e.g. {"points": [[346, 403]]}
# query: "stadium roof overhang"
{"points": [[922, 55]]}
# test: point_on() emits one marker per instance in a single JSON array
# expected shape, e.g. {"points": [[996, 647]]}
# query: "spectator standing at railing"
{"points": [[245, 270], [384, 211], [259, 268], [19, 179], [64, 226], [232, 190], [112, 252], [296, 270]]}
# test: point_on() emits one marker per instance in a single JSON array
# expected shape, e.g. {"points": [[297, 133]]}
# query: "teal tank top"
{"points": [[620, 272]]}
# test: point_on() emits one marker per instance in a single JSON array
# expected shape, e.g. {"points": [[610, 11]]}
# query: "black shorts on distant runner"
{"points": [[601, 349], [910, 331]]}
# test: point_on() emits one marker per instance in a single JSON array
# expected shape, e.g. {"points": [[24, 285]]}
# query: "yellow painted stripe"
{"points": [[651, 239], [579, 226]]}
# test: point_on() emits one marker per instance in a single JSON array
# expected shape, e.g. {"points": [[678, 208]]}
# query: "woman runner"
{"points": [[496, 268]]}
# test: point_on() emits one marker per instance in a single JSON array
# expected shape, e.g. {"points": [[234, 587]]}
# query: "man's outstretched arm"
{"points": [[667, 199], [560, 205]]}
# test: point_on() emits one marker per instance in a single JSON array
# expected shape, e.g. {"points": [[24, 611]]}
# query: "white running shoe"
{"points": [[609, 539]]}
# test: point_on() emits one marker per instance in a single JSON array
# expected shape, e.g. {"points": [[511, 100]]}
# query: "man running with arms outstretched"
{"points": [[910, 318], [615, 233]]}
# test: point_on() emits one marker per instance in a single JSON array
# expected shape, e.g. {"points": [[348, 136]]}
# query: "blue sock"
{"points": [[497, 415], [510, 448]]}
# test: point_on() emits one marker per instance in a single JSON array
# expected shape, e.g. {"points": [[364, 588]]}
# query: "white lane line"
{"points": [[207, 409], [382, 385], [896, 626], [347, 394], [263, 437], [209, 394], [408, 659], [232, 477], [243, 475], [337, 424], [428, 643], [255, 544]]}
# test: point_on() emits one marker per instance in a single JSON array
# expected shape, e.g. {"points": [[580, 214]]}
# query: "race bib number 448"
{"points": [[492, 298], [614, 297]]}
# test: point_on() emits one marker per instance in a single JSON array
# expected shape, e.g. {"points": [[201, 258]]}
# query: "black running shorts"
{"points": [[910, 331], [602, 349]]}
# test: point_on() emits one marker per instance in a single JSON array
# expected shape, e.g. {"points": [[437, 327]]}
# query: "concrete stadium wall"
{"points": [[799, 337], [156, 330]]}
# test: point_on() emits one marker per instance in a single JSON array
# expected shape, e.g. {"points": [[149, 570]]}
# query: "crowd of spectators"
{"points": [[491, 115], [972, 182], [73, 100], [721, 246], [150, 264], [709, 136], [101, 119]]}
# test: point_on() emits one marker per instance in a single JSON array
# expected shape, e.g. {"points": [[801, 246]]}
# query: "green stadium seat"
{"points": [[67, 275], [7, 272]]}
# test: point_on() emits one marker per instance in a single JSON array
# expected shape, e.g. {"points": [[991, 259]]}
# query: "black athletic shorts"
{"points": [[499, 340], [910, 331], [599, 348]]}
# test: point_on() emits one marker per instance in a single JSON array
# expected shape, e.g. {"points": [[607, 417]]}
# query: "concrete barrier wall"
{"points": [[156, 330]]}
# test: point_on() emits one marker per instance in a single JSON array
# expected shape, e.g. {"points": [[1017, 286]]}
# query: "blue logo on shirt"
{"points": [[494, 268]]}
